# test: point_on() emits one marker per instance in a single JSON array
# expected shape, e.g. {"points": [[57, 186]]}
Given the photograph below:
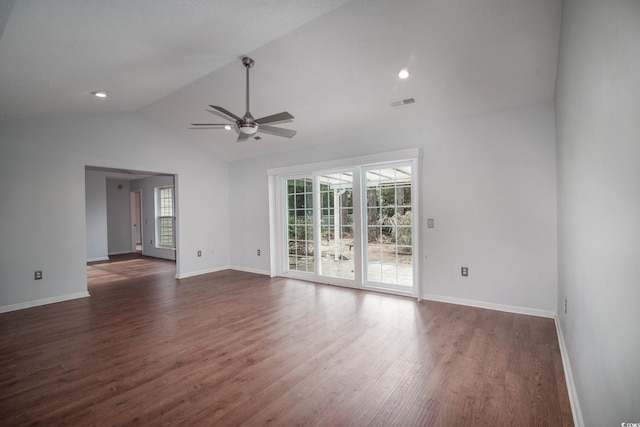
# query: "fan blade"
{"points": [[242, 137], [287, 133], [210, 124], [219, 114], [280, 117], [228, 113]]}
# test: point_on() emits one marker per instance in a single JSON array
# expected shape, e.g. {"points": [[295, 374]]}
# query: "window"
{"points": [[165, 219]]}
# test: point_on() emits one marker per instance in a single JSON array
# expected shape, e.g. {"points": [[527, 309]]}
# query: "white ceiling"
{"points": [[330, 63]]}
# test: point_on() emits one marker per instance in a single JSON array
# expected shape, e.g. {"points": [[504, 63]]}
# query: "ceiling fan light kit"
{"points": [[403, 72], [247, 125], [248, 128]]}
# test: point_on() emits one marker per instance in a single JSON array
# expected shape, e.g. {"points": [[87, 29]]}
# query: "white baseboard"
{"points": [[226, 267], [491, 306], [571, 385], [45, 301], [100, 258], [251, 270], [120, 252], [200, 272]]}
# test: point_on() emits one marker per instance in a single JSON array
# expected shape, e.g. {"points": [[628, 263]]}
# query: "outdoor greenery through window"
{"points": [[165, 237]]}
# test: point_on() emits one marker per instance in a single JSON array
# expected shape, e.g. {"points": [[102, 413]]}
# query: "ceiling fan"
{"points": [[246, 125]]}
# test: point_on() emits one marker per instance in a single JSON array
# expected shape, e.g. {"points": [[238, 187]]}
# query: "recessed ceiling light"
{"points": [[227, 127], [403, 72], [99, 94]]}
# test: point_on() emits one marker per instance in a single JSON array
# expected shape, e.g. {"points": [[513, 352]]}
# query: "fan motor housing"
{"points": [[247, 127]]}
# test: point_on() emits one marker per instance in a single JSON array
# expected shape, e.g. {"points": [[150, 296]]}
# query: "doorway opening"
{"points": [[123, 221], [135, 202]]}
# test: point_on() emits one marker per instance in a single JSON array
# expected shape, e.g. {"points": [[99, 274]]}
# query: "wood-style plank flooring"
{"points": [[234, 348]]}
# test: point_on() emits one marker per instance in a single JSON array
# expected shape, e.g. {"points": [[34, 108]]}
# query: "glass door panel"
{"points": [[389, 227], [336, 225], [300, 241]]}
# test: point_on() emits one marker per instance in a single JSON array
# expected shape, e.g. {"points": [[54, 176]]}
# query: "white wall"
{"points": [[42, 216], [488, 181], [598, 134], [118, 216], [96, 216]]}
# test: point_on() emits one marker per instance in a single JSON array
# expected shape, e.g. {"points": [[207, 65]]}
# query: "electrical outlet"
{"points": [[258, 252], [464, 271], [37, 275], [199, 253], [430, 223], [565, 306]]}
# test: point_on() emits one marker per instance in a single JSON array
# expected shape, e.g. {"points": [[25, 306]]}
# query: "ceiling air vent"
{"points": [[403, 102]]}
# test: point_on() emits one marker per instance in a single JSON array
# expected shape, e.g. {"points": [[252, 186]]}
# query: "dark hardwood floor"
{"points": [[234, 348]]}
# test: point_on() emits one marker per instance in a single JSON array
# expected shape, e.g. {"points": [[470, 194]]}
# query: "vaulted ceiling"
{"points": [[330, 63]]}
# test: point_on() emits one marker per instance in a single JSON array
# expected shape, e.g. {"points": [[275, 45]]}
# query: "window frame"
{"points": [[159, 218]]}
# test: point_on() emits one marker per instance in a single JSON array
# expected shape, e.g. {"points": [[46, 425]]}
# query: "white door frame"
{"points": [[135, 204]]}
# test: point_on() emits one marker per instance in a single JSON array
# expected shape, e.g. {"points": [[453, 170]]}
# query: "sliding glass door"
{"points": [[352, 226], [389, 227]]}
